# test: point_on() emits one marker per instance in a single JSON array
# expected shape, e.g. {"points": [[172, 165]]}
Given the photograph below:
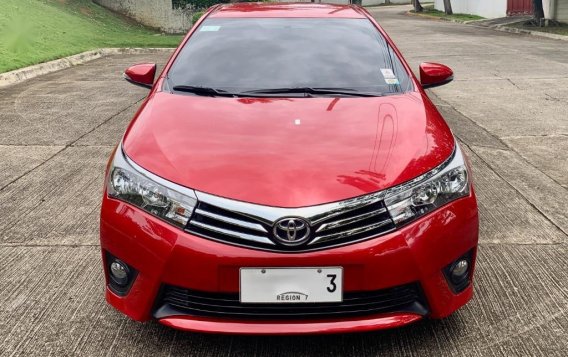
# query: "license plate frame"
{"points": [[292, 285]]}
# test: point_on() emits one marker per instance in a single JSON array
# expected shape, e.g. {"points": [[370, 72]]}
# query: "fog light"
{"points": [[120, 276], [119, 272], [458, 273], [459, 270]]}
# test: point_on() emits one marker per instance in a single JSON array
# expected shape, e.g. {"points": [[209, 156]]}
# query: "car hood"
{"points": [[288, 152]]}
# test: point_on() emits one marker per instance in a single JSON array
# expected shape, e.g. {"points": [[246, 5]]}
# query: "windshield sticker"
{"points": [[389, 76], [388, 73], [209, 28]]}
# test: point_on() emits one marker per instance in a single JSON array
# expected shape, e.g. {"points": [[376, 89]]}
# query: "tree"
{"points": [[417, 6], [538, 11], [538, 16], [448, 7]]}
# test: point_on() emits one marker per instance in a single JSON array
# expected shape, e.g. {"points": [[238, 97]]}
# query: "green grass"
{"points": [[35, 31], [430, 11], [560, 29]]}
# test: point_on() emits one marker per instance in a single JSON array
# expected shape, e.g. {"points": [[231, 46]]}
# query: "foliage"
{"points": [[430, 11], [196, 4], [196, 16], [201, 4], [34, 31]]}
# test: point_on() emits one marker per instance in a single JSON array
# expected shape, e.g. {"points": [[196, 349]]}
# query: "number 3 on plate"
{"points": [[332, 287]]}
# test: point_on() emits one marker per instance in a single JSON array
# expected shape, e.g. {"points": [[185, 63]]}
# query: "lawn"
{"points": [[35, 31], [430, 11]]}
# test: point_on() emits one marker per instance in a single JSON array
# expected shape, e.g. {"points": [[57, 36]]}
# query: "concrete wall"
{"points": [[561, 11], [485, 8], [379, 2], [161, 15], [364, 2], [154, 13], [498, 8]]}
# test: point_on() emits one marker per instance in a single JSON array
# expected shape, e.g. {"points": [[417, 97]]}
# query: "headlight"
{"points": [[445, 183], [131, 183]]}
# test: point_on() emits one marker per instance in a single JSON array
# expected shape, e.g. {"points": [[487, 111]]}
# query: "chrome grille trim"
{"points": [[252, 225], [359, 230], [236, 222], [343, 222], [233, 233], [269, 214]]}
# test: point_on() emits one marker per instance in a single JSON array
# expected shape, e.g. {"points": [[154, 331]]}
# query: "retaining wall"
{"points": [[159, 14]]}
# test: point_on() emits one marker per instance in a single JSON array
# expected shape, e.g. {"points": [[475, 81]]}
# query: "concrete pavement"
{"points": [[507, 105]]}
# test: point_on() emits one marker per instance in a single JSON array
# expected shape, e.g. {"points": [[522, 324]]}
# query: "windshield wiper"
{"points": [[206, 91], [313, 91], [215, 92]]}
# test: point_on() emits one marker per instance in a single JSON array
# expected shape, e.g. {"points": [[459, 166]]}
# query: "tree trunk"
{"points": [[538, 10], [417, 6], [448, 7]]}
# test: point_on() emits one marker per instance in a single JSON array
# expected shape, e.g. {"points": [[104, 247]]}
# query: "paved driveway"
{"points": [[508, 106]]}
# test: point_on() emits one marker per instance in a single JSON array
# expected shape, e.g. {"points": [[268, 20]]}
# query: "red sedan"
{"points": [[287, 174]]}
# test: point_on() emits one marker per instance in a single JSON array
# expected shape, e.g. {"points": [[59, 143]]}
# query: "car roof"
{"points": [[287, 10]]}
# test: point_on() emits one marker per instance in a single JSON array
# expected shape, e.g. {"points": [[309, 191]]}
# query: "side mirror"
{"points": [[435, 74], [141, 74]]}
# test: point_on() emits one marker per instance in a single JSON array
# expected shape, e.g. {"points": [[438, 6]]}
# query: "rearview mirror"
{"points": [[435, 74], [141, 74]]}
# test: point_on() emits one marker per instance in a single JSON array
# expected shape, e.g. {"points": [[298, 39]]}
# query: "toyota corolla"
{"points": [[288, 174]]}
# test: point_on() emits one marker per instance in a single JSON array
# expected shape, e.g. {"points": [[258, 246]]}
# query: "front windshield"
{"points": [[240, 54]]}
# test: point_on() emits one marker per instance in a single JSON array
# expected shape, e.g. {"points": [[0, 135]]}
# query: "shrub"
{"points": [[196, 16], [197, 4]]}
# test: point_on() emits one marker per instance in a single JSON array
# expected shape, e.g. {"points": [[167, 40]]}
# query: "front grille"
{"points": [[179, 301], [367, 221], [252, 225], [215, 222]]}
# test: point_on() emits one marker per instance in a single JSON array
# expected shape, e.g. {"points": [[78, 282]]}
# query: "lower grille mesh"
{"points": [[179, 301]]}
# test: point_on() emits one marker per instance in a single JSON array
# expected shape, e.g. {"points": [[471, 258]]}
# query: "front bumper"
{"points": [[162, 254]]}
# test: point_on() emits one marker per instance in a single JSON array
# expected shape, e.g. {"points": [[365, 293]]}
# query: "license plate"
{"points": [[291, 285]]}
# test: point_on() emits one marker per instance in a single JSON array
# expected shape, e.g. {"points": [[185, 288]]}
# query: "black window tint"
{"points": [[261, 53]]}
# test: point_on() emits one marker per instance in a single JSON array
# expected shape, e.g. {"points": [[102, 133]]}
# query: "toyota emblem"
{"points": [[291, 231]]}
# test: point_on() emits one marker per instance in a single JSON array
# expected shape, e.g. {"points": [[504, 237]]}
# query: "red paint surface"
{"points": [[434, 74], [164, 254], [287, 10], [142, 73], [251, 150], [290, 328], [519, 7]]}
